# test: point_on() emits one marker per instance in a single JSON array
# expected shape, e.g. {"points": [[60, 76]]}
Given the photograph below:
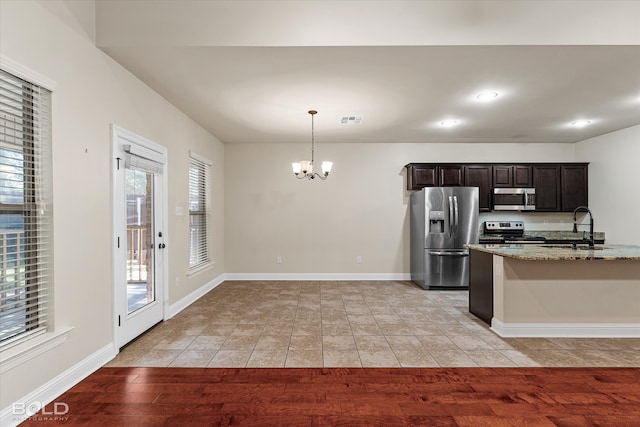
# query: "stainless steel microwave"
{"points": [[514, 199]]}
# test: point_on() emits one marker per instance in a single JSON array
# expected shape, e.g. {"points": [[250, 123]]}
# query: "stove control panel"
{"points": [[503, 226]]}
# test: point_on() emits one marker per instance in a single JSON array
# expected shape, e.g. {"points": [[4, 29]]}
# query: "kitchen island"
{"points": [[550, 290]]}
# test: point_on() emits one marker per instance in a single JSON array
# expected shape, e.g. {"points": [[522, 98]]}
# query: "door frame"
{"points": [[118, 208]]}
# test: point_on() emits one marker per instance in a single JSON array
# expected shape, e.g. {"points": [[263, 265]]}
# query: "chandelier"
{"points": [[304, 168]]}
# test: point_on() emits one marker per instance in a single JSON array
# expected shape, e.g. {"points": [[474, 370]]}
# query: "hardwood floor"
{"points": [[351, 396]]}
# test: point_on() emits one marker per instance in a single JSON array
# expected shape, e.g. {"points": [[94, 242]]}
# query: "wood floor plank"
{"points": [[353, 397]]}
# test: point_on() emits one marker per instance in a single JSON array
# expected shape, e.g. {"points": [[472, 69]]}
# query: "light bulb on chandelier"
{"points": [[304, 168]]}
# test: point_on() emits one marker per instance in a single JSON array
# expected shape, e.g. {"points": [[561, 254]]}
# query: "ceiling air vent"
{"points": [[351, 120]]}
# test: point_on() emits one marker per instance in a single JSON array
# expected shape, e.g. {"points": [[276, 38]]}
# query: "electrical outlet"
{"points": [[358, 260], [498, 270], [177, 281], [278, 260]]}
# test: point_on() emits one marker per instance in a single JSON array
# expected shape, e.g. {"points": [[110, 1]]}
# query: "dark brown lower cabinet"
{"points": [[481, 285]]}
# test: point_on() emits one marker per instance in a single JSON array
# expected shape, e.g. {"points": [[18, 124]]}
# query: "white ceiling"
{"points": [[248, 71]]}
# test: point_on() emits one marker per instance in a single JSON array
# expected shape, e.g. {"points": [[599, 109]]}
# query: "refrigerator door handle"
{"points": [[456, 215], [449, 253], [450, 215]]}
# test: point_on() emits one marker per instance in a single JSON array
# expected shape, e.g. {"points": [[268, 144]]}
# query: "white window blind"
{"points": [[198, 211], [25, 208]]}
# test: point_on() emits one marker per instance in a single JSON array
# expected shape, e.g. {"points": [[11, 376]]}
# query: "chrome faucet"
{"points": [[575, 224]]}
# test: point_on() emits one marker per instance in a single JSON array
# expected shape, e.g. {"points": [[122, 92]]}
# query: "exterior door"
{"points": [[139, 235]]}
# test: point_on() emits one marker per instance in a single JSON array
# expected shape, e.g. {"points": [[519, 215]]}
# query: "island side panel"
{"points": [[498, 287], [481, 285], [557, 292]]}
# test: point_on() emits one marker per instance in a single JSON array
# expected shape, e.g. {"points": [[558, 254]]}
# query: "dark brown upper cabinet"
{"points": [[518, 176], [574, 186], [421, 175], [546, 179], [560, 187], [523, 176], [451, 175], [480, 176]]}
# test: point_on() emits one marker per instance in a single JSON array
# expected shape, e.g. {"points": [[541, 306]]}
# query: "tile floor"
{"points": [[350, 324]]}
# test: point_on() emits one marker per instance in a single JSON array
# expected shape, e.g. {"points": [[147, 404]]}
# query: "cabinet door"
{"points": [[574, 187], [502, 176], [480, 176], [451, 176], [522, 176], [421, 175], [546, 179], [512, 176]]}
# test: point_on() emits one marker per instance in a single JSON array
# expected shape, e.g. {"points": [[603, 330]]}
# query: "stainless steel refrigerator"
{"points": [[442, 221]]}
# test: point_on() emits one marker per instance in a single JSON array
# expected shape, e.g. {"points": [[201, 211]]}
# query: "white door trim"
{"points": [[118, 135]]}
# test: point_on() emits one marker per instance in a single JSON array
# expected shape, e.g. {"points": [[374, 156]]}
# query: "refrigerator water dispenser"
{"points": [[436, 222]]}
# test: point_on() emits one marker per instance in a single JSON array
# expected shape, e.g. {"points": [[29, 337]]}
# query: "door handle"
{"points": [[161, 246], [449, 253], [450, 215], [455, 213]]}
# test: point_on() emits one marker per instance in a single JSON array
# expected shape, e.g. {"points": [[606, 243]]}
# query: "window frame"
{"points": [[203, 166], [37, 204]]}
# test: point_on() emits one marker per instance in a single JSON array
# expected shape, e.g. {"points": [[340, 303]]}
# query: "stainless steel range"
{"points": [[508, 232]]}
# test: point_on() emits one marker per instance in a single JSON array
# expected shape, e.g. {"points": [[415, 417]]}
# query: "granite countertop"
{"points": [[560, 252], [552, 236]]}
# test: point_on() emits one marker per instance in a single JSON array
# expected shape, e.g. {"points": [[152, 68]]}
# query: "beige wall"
{"points": [[360, 210], [93, 92], [614, 197], [574, 292]]}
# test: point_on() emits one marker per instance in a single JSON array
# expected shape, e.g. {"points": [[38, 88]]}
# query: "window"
{"points": [[25, 208], [198, 211]]}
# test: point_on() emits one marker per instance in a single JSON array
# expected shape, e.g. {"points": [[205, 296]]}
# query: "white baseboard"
{"points": [[566, 330], [46, 393], [177, 307], [317, 276]]}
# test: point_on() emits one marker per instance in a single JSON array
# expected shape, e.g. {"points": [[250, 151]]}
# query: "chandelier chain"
{"points": [[304, 168], [312, 112]]}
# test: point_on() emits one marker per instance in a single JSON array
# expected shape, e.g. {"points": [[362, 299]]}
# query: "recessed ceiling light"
{"points": [[448, 123], [487, 96], [580, 123]]}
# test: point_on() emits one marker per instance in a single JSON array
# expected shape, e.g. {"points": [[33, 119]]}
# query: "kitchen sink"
{"points": [[578, 247]]}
